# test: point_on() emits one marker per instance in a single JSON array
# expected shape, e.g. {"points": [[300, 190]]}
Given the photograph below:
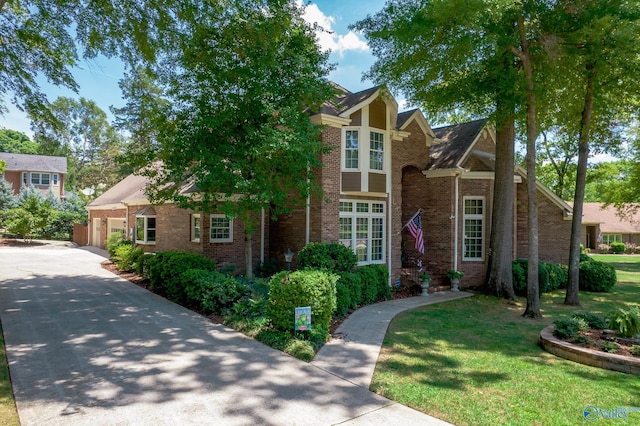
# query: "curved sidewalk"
{"points": [[353, 355]]}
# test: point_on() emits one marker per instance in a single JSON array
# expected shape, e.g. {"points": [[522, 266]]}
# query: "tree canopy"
{"points": [[16, 142]]}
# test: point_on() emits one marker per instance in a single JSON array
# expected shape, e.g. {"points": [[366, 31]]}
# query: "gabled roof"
{"points": [[609, 220], [34, 163], [457, 140], [345, 100], [128, 189]]}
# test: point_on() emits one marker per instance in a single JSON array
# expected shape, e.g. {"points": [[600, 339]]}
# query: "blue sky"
{"points": [[98, 78]]}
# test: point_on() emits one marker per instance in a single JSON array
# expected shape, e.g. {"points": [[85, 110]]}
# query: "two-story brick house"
{"points": [[45, 173], [384, 167]]}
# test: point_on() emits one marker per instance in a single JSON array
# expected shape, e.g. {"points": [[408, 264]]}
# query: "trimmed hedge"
{"points": [[366, 285], [618, 247], [551, 276], [289, 290], [597, 276], [215, 292], [166, 268], [332, 257]]}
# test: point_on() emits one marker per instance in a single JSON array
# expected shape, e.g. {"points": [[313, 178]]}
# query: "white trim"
{"points": [[343, 149], [229, 239], [330, 120], [442, 172], [354, 215], [418, 116], [483, 218], [192, 228], [567, 210]]}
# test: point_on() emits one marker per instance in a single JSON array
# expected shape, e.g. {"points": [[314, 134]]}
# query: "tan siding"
{"points": [[377, 182], [378, 114], [351, 181]]}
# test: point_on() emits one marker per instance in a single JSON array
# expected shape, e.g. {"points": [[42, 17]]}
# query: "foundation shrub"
{"points": [[597, 276], [594, 321], [114, 241], [128, 257], [289, 290], [369, 278], [353, 282], [519, 269], [213, 291], [558, 275], [618, 247], [343, 300], [166, 270], [332, 257]]}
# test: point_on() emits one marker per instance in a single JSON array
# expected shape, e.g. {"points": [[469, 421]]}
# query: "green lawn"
{"points": [[476, 361], [8, 412]]}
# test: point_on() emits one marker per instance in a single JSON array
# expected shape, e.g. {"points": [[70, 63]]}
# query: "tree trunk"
{"points": [[248, 254], [532, 309], [500, 275], [572, 296]]}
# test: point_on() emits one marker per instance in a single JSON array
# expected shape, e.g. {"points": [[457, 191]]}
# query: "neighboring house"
{"points": [[385, 166], [603, 225], [45, 173]]}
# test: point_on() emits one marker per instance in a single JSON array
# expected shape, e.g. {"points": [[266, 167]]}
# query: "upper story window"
{"points": [[145, 229], [37, 178], [221, 230], [351, 149], [376, 151], [473, 228]]}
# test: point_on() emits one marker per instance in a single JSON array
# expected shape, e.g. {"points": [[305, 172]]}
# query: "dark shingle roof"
{"points": [[344, 100], [456, 140], [404, 116], [34, 163]]}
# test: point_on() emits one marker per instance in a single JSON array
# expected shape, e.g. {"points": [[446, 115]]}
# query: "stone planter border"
{"points": [[625, 364]]}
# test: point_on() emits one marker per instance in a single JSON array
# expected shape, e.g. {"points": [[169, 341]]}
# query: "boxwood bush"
{"points": [[289, 290], [128, 258], [166, 268], [519, 268], [618, 247], [213, 291], [597, 276], [353, 282], [332, 257]]}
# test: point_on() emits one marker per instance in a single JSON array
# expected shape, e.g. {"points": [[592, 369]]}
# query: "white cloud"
{"points": [[327, 36]]}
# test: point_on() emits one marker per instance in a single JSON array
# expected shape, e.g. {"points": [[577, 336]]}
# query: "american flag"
{"points": [[415, 229]]}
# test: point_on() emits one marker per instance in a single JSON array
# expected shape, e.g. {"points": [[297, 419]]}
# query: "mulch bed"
{"points": [[600, 337]]}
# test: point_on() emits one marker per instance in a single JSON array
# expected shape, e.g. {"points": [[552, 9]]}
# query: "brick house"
{"points": [[384, 167], [603, 225], [43, 172]]}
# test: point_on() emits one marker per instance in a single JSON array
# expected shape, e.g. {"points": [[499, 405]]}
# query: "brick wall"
{"points": [[554, 233], [103, 215]]}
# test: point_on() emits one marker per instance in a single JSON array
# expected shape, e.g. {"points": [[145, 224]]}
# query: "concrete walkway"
{"points": [[86, 347], [354, 353]]}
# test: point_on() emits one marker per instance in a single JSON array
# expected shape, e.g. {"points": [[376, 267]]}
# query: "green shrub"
{"points": [[332, 257], [519, 269], [114, 241], [166, 269], [585, 258], [626, 321], [267, 268], [353, 282], [618, 247], [368, 276], [289, 290], [596, 276], [214, 291], [635, 350], [127, 257], [343, 300], [594, 321], [610, 347], [569, 328], [558, 275]]}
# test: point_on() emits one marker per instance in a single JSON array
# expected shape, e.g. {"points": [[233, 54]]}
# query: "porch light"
{"points": [[288, 257]]}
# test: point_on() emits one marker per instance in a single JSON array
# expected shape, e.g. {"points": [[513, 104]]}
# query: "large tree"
{"points": [[82, 133], [597, 51], [457, 55], [240, 81], [16, 142], [47, 38]]}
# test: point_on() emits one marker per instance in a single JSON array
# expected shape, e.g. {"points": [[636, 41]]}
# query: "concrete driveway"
{"points": [[88, 348]]}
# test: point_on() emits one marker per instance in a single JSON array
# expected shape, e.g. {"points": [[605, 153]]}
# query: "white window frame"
{"points": [[196, 229], [347, 149], [146, 229], [611, 238], [376, 151], [353, 218], [25, 178], [473, 217], [228, 239], [39, 181], [55, 179]]}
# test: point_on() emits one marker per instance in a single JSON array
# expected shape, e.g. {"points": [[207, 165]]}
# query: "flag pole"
{"points": [[409, 221]]}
